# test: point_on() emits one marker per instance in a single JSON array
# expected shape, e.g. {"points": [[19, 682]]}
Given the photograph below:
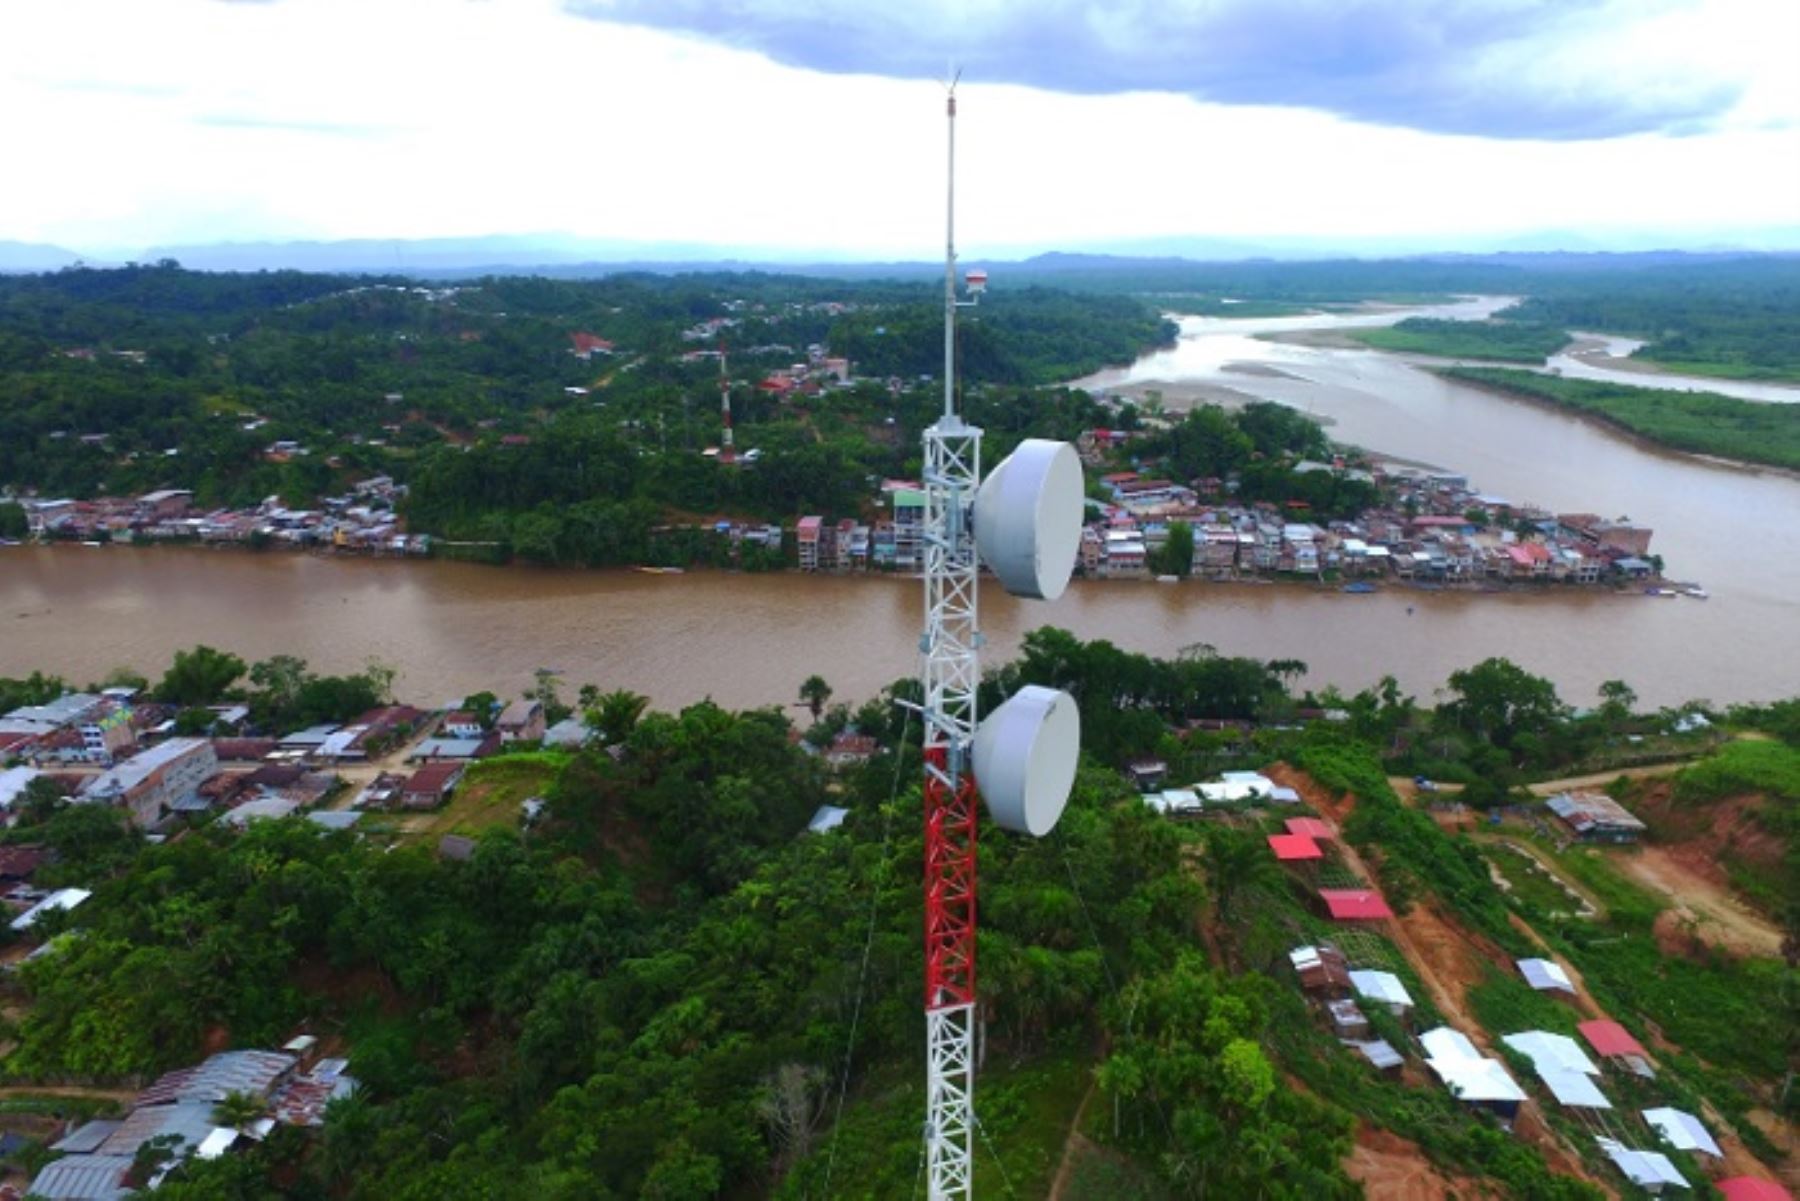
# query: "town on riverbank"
{"points": [[1429, 528]]}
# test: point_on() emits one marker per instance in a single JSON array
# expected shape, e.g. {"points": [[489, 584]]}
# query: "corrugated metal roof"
{"points": [[1380, 986], [1294, 848], [86, 1137], [254, 1072], [189, 1121], [1609, 1038], [1355, 904], [1379, 1053], [82, 1178], [1544, 975]]}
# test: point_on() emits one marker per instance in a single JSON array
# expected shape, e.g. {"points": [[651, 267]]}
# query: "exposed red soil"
{"points": [[1705, 838], [1395, 1169]]}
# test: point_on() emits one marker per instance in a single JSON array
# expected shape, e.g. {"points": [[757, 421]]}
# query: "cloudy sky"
{"points": [[814, 127]]}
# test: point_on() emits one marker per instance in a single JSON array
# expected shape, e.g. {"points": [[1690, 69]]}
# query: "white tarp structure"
{"points": [[1180, 800], [62, 898], [828, 817], [1464, 1071], [1563, 1066], [1445, 1043], [1555, 1052], [1683, 1131], [1381, 986], [1650, 1170], [1546, 976], [1573, 1090]]}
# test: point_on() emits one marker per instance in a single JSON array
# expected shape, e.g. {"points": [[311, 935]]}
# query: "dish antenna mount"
{"points": [[1024, 522]]}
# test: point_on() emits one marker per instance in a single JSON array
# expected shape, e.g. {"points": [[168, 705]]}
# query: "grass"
{"points": [[490, 794], [1505, 1004], [1532, 888], [1700, 422], [1729, 1012], [1744, 766], [1101, 1175], [1506, 341], [1626, 903], [1026, 1111]]}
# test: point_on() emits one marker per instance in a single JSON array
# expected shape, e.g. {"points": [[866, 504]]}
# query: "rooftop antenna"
{"points": [[1024, 522]]}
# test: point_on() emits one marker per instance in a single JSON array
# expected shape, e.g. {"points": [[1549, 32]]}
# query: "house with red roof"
{"points": [[1311, 827], [1612, 1041], [432, 784], [1355, 905], [585, 345], [1295, 848]]}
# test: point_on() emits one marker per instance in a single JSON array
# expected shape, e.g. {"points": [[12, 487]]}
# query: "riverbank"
{"points": [[1741, 432], [1326, 583]]}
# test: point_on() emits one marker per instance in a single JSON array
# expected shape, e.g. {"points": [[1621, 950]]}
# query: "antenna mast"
{"points": [[951, 673], [726, 453]]}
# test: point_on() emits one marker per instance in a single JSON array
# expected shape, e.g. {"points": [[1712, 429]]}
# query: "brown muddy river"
{"points": [[453, 628]]}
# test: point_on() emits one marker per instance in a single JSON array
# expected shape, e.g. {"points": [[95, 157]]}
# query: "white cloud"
{"points": [[133, 124]]}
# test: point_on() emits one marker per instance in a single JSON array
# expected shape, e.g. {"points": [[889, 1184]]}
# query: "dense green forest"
{"points": [[1510, 341], [665, 989], [1701, 422], [190, 375]]}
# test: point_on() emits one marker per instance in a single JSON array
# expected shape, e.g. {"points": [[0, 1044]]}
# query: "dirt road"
{"points": [[1699, 905], [1601, 779]]}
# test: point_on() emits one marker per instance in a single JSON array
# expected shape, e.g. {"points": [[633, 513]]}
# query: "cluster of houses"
{"points": [[106, 748], [199, 1112], [1343, 992], [1346, 981], [1434, 528], [1434, 531], [362, 519]]}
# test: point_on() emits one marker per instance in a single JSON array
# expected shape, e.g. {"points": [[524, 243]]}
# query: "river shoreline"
{"points": [[1485, 586], [1614, 426]]}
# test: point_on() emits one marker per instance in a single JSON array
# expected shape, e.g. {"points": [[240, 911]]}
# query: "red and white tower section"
{"points": [[1023, 522]]}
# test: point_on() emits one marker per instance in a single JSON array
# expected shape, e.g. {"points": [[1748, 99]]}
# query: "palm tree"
{"points": [[814, 693], [615, 714], [238, 1110]]}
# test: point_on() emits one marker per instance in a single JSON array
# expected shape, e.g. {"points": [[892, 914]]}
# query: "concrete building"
{"points": [[807, 539], [150, 784], [909, 529]]}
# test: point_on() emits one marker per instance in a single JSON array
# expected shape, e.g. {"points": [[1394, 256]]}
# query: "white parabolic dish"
{"points": [[1025, 755], [1028, 518]]}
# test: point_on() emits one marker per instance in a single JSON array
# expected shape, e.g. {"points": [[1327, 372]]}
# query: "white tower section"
{"points": [[951, 674]]}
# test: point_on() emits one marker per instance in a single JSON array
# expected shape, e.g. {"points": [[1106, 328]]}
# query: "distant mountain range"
{"points": [[563, 255]]}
